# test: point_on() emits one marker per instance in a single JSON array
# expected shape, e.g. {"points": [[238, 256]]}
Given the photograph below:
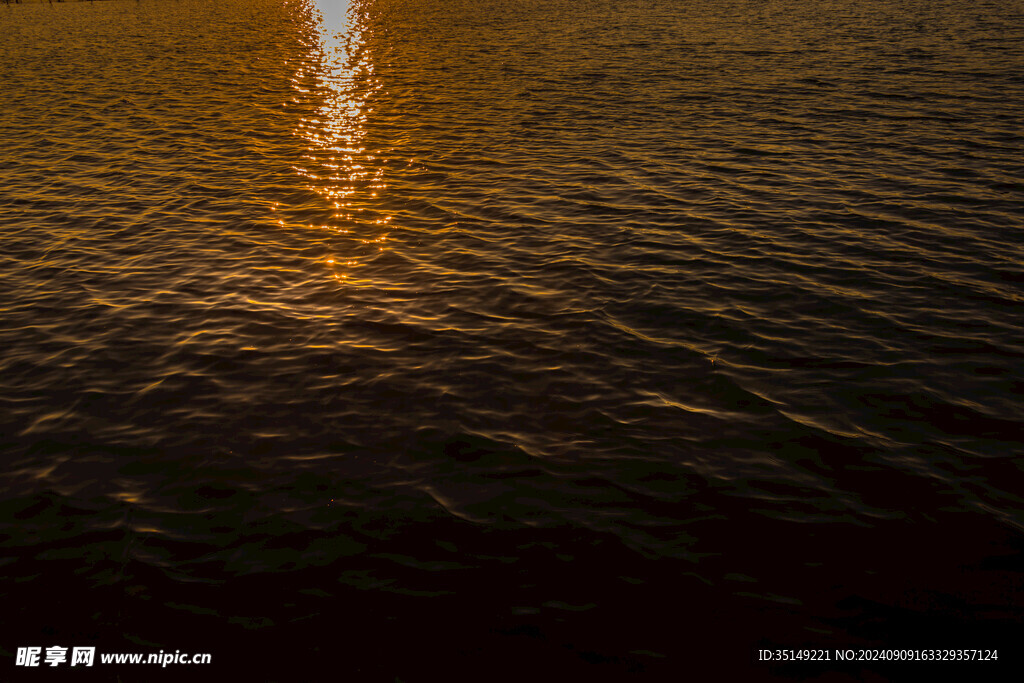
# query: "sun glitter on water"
{"points": [[338, 164]]}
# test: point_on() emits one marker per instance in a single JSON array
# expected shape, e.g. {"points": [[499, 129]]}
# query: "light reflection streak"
{"points": [[338, 165]]}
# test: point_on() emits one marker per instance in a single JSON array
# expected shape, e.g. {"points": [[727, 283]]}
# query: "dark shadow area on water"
{"points": [[375, 597]]}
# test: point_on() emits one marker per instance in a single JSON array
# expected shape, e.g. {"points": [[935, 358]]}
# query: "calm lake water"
{"points": [[414, 340]]}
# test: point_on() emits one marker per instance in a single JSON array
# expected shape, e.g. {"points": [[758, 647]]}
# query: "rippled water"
{"points": [[496, 339]]}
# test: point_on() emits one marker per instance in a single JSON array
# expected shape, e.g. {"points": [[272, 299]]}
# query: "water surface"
{"points": [[483, 339]]}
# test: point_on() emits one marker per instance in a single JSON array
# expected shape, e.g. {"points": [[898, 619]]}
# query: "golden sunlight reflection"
{"points": [[338, 165]]}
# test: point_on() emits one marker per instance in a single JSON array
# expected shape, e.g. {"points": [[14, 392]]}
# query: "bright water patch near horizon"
{"points": [[453, 337]]}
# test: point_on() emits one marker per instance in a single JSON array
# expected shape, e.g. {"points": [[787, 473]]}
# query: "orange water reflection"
{"points": [[338, 165]]}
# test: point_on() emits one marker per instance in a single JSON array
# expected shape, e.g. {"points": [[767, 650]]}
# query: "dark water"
{"points": [[429, 339]]}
